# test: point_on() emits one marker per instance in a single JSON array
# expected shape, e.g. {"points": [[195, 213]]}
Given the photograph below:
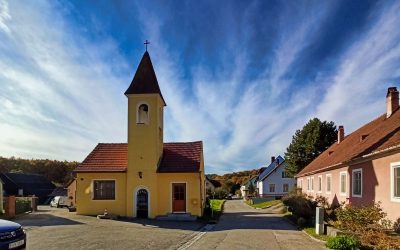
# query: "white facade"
{"points": [[275, 183]]}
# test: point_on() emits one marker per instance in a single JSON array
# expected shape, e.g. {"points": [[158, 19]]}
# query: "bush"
{"points": [[22, 206], [207, 207], [367, 224], [343, 242], [301, 222], [352, 218], [219, 193], [396, 226], [300, 205]]}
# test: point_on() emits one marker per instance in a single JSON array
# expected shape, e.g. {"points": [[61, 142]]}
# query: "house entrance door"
{"points": [[179, 197], [142, 204]]}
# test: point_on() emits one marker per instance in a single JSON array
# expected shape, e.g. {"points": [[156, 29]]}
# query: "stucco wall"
{"points": [[84, 194], [72, 193], [334, 195], [193, 192], [376, 184]]}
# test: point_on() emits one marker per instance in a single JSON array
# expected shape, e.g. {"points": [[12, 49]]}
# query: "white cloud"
{"points": [[357, 90], [4, 16], [59, 96]]}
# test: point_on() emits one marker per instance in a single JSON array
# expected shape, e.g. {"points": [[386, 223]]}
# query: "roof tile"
{"points": [[113, 157], [379, 134]]}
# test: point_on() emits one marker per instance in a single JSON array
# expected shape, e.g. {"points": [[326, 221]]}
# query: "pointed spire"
{"points": [[145, 80]]}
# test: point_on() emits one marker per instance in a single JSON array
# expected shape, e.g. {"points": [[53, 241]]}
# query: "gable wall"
{"points": [[276, 178]]}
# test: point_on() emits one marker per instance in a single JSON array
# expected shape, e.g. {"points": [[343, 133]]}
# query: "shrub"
{"points": [[207, 207], [353, 218], [343, 242], [300, 205], [301, 222], [367, 224], [396, 226], [219, 193], [22, 206], [238, 193]]}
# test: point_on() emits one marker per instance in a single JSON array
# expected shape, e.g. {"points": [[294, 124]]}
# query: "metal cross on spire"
{"points": [[146, 43]]}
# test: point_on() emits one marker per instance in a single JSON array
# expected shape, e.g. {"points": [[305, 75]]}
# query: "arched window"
{"points": [[143, 114]]}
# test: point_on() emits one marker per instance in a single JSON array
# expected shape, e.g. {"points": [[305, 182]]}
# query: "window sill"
{"points": [[395, 199]]}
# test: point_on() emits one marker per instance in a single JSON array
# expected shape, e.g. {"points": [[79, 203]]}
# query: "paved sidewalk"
{"points": [[242, 227]]}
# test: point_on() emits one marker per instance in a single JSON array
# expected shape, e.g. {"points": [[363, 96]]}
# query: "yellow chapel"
{"points": [[145, 177]]}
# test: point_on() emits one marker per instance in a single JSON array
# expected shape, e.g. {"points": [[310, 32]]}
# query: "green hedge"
{"points": [[22, 206]]}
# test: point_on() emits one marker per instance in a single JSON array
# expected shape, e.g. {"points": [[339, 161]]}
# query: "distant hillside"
{"points": [[58, 172], [235, 177]]}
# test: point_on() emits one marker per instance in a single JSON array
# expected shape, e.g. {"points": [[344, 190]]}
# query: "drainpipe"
{"points": [[201, 194]]}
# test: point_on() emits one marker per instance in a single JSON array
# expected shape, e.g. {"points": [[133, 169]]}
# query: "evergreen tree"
{"points": [[309, 142]]}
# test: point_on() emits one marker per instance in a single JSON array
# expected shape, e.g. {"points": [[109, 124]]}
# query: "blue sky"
{"points": [[240, 75]]}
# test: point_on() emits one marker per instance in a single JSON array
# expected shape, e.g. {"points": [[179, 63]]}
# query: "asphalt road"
{"points": [[56, 228], [243, 227], [240, 227]]}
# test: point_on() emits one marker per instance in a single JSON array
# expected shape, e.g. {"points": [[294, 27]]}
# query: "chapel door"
{"points": [[178, 197], [142, 203]]}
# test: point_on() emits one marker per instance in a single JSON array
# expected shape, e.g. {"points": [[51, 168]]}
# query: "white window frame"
{"points": [[283, 188], [272, 185], [330, 184], [308, 183], [393, 165], [352, 182], [340, 183], [319, 187], [301, 184], [312, 184]]}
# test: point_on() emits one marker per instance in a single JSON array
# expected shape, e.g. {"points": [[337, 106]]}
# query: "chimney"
{"points": [[340, 134], [272, 159], [392, 101]]}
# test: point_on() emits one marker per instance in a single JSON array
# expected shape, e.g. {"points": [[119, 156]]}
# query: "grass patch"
{"points": [[263, 205], [216, 206], [311, 231], [217, 209]]}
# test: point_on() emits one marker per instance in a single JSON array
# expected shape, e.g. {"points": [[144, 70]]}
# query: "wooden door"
{"points": [[178, 197]]}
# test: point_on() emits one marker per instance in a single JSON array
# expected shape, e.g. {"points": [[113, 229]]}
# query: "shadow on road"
{"points": [[41, 220], [182, 225]]}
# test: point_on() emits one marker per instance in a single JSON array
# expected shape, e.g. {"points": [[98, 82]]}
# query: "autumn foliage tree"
{"points": [[58, 172], [309, 142]]}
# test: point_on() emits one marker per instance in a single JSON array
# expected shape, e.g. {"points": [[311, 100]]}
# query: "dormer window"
{"points": [[143, 114]]}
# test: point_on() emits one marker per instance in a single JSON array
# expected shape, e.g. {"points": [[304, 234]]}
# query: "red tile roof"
{"points": [[181, 157], [378, 135], [106, 157], [113, 157]]}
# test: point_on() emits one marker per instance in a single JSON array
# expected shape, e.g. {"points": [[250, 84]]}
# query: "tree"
{"points": [[227, 185], [309, 142], [252, 190]]}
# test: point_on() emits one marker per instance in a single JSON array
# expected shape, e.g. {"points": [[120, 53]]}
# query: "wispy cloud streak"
{"points": [[61, 93]]}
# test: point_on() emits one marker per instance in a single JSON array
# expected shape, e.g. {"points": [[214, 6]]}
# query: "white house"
{"points": [[274, 181]]}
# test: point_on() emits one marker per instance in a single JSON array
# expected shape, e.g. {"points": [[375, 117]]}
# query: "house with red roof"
{"points": [[362, 167], [145, 177]]}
